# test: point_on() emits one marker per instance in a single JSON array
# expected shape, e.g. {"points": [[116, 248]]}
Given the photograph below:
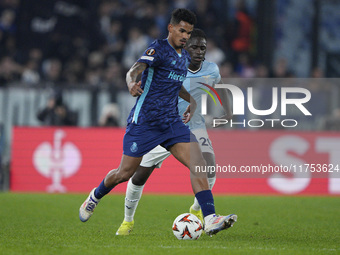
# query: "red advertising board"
{"points": [[247, 162]]}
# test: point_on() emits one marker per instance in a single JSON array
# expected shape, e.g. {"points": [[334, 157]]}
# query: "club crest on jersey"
{"points": [[150, 52], [134, 147]]}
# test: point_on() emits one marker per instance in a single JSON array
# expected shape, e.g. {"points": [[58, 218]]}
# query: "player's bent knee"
{"points": [[124, 176], [138, 181]]}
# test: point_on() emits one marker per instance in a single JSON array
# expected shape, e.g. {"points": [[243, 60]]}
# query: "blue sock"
{"points": [[206, 201], [101, 190]]}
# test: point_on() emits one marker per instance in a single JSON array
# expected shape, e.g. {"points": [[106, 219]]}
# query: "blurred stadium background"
{"points": [[78, 52]]}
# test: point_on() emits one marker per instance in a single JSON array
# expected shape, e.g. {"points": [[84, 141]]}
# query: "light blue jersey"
{"points": [[209, 74]]}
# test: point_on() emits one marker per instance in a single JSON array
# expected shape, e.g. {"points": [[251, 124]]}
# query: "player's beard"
{"points": [[180, 46]]}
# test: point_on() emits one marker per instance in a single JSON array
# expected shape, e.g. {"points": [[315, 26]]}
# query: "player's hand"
{"points": [[189, 112], [135, 89], [186, 116]]}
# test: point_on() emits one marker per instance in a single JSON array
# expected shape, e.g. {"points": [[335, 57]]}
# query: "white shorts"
{"points": [[156, 156], [203, 140]]}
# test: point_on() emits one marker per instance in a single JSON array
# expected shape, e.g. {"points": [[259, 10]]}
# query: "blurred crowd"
{"points": [[94, 42]]}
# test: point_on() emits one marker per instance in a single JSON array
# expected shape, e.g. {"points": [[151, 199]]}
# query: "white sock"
{"points": [[196, 206], [132, 197], [211, 181]]}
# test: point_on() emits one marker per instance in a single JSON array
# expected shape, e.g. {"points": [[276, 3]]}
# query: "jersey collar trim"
{"points": [[199, 69], [179, 54]]}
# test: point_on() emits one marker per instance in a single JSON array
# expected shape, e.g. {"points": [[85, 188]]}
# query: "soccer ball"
{"points": [[187, 227]]}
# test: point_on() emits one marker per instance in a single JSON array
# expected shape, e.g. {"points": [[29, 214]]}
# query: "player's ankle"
{"points": [[196, 207]]}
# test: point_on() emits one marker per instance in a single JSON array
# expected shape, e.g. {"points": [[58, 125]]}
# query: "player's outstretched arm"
{"points": [[189, 112], [131, 78]]}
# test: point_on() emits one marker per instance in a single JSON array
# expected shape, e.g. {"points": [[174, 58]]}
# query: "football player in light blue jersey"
{"points": [[200, 73]]}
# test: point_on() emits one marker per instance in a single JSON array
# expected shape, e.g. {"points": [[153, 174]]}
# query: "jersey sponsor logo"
{"points": [[150, 52], [173, 62], [176, 77]]}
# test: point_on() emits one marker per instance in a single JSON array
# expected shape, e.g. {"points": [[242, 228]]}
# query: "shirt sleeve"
{"points": [[217, 74], [152, 56]]}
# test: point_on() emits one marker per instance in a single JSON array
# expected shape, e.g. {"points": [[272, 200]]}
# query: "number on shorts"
{"points": [[205, 141]]}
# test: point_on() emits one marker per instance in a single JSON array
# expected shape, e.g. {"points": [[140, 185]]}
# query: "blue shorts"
{"points": [[140, 139]]}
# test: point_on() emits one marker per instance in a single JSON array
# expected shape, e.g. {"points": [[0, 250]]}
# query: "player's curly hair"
{"points": [[181, 14], [198, 33]]}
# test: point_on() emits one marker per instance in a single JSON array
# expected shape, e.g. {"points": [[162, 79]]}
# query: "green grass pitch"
{"points": [[49, 224]]}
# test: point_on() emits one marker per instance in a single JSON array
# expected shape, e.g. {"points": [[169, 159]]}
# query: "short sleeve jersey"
{"points": [[161, 82], [208, 74]]}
